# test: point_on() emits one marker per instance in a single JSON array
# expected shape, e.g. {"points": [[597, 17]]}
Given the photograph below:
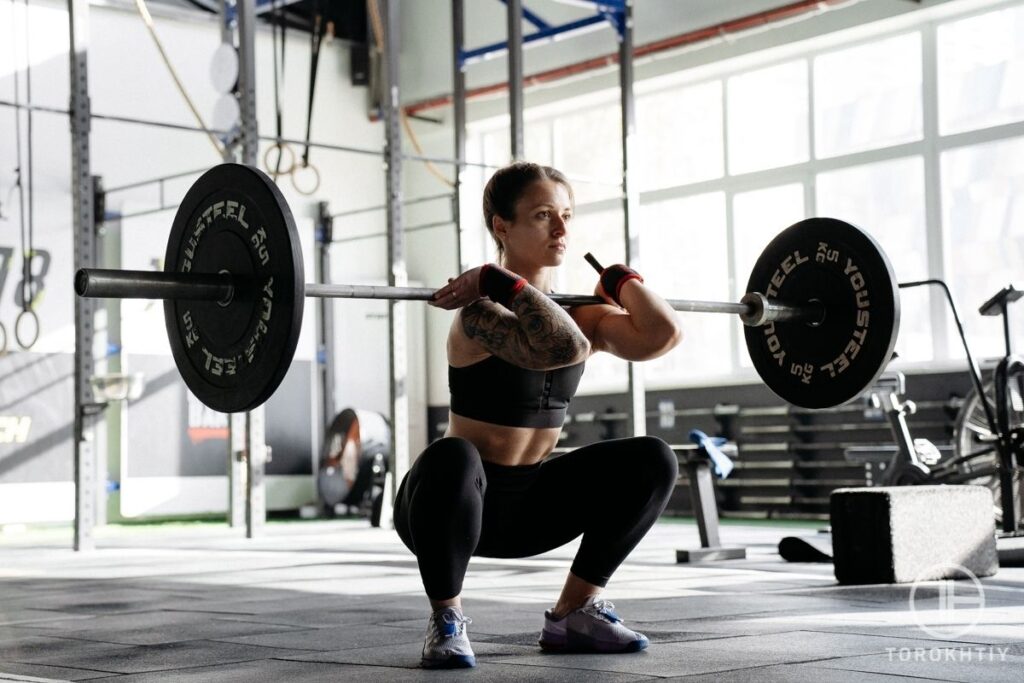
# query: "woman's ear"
{"points": [[499, 227]]}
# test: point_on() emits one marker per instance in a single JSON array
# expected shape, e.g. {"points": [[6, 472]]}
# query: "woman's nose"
{"points": [[559, 225]]}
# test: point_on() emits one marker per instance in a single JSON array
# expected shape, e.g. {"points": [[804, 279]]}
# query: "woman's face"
{"points": [[539, 234]]}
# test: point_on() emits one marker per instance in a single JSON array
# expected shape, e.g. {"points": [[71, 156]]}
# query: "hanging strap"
{"points": [[316, 33], [277, 32], [22, 233], [27, 297]]}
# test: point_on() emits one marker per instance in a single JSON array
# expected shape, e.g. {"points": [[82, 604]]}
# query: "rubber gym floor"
{"points": [[340, 601]]}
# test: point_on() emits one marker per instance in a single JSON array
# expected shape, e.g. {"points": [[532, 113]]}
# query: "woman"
{"points": [[515, 359]]}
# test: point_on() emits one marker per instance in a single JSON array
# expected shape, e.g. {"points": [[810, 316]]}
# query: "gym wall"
{"points": [[127, 78]]}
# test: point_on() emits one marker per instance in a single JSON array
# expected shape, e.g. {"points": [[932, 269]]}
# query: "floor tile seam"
{"points": [[640, 677], [268, 647], [224, 662], [724, 617], [950, 643], [80, 633], [172, 642], [62, 666], [859, 635], [909, 676], [71, 637], [370, 664]]}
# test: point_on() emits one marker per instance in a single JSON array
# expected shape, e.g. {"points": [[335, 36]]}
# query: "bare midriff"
{"points": [[508, 446]]}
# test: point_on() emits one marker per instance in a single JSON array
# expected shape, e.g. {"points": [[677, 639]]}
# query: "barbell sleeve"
{"points": [[99, 283], [755, 309]]}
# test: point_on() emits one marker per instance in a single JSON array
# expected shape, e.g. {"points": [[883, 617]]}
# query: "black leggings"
{"points": [[452, 505]]}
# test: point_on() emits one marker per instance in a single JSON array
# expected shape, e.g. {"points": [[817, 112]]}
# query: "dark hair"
{"points": [[507, 186]]}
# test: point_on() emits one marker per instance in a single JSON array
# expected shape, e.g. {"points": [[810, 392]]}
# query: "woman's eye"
{"points": [[543, 214], [567, 217]]}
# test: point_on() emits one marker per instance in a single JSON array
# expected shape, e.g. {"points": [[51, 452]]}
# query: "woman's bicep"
{"points": [[615, 333]]}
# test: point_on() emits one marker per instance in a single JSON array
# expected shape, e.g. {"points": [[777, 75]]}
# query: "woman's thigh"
{"points": [[564, 497]]}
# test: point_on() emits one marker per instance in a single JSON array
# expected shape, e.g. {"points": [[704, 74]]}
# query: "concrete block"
{"points": [[903, 534]]}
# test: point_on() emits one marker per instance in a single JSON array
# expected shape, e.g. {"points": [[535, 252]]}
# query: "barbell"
{"points": [[821, 315]]}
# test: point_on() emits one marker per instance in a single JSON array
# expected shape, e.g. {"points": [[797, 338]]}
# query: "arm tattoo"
{"points": [[538, 335]]}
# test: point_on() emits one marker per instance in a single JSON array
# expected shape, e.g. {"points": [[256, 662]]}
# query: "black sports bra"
{"points": [[498, 392]]}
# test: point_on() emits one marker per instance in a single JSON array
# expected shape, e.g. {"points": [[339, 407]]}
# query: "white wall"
{"points": [[127, 78]]}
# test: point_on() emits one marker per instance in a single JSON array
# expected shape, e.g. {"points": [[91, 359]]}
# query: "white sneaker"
{"points": [[447, 643], [594, 627]]}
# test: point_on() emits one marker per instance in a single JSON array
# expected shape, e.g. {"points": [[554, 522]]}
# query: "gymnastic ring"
{"points": [[3, 336], [316, 175], [281, 147], [17, 330]]}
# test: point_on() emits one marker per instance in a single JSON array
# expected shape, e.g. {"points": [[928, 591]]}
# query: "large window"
{"points": [[983, 211], [915, 134], [981, 71], [767, 114], [680, 136], [684, 254], [868, 96], [887, 200]]}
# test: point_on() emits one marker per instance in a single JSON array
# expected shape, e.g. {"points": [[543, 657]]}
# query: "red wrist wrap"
{"points": [[500, 285]]}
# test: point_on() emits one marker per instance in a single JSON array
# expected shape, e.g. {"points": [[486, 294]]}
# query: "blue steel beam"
{"points": [[539, 38], [597, 5], [264, 6], [532, 18]]}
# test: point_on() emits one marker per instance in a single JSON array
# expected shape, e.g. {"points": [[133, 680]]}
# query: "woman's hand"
{"points": [[460, 291]]}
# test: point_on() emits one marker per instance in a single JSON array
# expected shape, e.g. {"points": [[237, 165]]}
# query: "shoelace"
{"points": [[603, 608], [460, 624]]}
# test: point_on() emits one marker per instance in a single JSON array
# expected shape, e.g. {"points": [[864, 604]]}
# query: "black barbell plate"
{"points": [[234, 356], [840, 265]]}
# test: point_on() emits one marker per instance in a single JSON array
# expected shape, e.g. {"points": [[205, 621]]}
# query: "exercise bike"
{"points": [[989, 432], [988, 449]]}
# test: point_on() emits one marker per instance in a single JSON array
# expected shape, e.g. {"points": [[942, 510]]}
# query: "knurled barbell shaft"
{"points": [[144, 284]]}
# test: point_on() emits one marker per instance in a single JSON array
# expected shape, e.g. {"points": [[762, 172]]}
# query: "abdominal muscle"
{"points": [[501, 445]]}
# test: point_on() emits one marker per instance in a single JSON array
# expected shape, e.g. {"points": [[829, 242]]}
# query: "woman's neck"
{"points": [[540, 277]]}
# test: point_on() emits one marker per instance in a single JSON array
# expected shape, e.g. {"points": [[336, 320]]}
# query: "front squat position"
{"points": [[515, 360]]}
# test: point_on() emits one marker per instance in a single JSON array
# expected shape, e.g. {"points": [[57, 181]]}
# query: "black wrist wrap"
{"points": [[613, 277], [500, 285]]}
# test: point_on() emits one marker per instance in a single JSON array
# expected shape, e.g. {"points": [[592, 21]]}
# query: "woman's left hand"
{"points": [[460, 291]]}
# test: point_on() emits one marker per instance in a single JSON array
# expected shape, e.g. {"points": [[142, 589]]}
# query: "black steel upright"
{"points": [[85, 257], [325, 330], [459, 125], [515, 76], [630, 195], [254, 422], [397, 277]]}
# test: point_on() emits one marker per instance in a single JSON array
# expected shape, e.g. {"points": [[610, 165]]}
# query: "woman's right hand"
{"points": [[460, 291]]}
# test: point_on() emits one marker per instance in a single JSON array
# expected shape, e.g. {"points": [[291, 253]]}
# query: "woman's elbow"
{"points": [[675, 335], [580, 349], [666, 338]]}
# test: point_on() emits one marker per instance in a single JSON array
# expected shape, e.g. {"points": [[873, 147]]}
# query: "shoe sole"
{"points": [[635, 646], [452, 662]]}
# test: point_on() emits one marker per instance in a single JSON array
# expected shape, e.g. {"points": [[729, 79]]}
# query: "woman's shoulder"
{"points": [[462, 350]]}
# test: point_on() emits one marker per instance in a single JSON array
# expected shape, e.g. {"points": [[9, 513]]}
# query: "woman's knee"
{"points": [[656, 459]]}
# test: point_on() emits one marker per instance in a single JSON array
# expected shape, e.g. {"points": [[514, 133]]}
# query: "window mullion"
{"points": [[937, 265]]}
